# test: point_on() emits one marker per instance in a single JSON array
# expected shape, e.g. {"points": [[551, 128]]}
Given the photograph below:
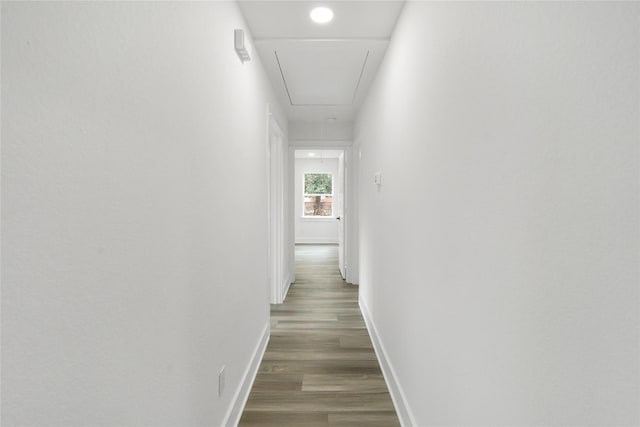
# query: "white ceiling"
{"points": [[321, 71], [318, 154]]}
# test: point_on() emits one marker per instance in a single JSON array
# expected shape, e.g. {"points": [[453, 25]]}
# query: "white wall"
{"points": [[499, 257], [125, 279], [302, 132], [314, 230]]}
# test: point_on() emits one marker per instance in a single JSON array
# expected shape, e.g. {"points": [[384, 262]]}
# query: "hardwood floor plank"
{"points": [[292, 342], [318, 402], [358, 341], [285, 419], [319, 368], [322, 366], [360, 419], [267, 382], [344, 382], [317, 355], [307, 325]]}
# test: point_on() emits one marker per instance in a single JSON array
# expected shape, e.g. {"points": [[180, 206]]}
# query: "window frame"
{"points": [[304, 195]]}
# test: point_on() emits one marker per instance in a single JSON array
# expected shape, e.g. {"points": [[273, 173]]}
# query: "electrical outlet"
{"points": [[221, 376]]}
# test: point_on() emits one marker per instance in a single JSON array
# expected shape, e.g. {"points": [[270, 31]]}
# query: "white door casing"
{"points": [[276, 201], [340, 215]]}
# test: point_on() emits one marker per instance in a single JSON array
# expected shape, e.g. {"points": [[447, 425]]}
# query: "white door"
{"points": [[340, 213]]}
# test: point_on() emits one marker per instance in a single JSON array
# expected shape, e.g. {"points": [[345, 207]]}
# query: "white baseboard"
{"points": [[397, 395], [234, 413], [285, 289]]}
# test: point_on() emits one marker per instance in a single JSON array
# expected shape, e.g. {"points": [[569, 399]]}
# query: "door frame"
{"points": [[342, 214], [349, 205], [278, 275]]}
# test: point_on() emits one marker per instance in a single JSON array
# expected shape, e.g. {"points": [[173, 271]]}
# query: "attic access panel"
{"points": [[321, 72]]}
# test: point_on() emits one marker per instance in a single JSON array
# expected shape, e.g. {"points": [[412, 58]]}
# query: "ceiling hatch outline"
{"points": [[322, 104]]}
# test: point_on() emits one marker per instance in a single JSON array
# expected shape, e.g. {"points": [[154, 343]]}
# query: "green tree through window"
{"points": [[318, 194], [317, 183]]}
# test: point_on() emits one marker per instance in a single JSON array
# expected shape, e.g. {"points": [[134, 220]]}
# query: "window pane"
{"points": [[317, 183], [318, 205]]}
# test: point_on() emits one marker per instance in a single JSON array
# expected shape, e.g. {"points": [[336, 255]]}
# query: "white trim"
{"points": [[232, 418], [285, 289], [350, 202], [351, 230], [290, 205], [318, 218], [397, 395], [277, 252]]}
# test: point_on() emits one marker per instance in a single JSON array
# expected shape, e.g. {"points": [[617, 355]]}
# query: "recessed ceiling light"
{"points": [[321, 15], [312, 154]]}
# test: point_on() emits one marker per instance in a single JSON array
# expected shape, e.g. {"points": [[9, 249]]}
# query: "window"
{"points": [[318, 195]]}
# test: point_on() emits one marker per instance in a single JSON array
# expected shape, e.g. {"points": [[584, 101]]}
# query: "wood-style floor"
{"points": [[319, 368]]}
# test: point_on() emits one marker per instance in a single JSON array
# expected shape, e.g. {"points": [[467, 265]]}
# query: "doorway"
{"points": [[319, 200]]}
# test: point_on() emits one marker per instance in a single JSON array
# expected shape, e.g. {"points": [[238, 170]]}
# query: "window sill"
{"points": [[318, 218]]}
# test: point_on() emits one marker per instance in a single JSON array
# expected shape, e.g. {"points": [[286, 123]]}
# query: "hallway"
{"points": [[319, 368], [483, 189]]}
